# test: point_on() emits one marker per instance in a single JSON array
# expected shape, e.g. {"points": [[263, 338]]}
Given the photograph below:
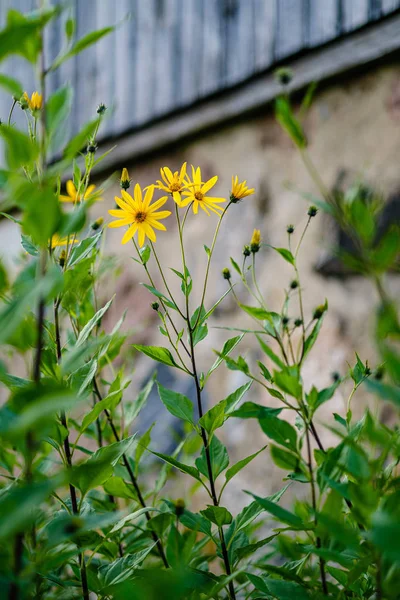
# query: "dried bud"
{"points": [[226, 273], [125, 181], [97, 223], [294, 284], [155, 306], [379, 373], [312, 211], [290, 229], [298, 322], [179, 507], [285, 321], [335, 376], [101, 109], [63, 258], [246, 250], [255, 241]]}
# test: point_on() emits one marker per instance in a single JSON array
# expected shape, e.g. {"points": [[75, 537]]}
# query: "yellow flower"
{"points": [[34, 102], [196, 192], [239, 190], [139, 214], [125, 181], [255, 241], [173, 183], [56, 241], [72, 194]]}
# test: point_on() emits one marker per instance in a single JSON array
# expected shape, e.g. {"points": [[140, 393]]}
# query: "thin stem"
{"points": [[314, 505], [209, 260], [161, 300], [164, 279], [131, 476], [11, 112], [313, 172]]}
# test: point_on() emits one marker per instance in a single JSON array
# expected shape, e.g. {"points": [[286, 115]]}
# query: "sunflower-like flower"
{"points": [[34, 102], [72, 193], [255, 241], [173, 183], [196, 192], [239, 190], [139, 214], [56, 241]]}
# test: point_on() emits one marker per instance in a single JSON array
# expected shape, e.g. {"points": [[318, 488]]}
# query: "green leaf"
{"points": [[250, 549], [384, 390], [195, 522], [277, 511], [192, 471], [312, 338], [58, 107], [80, 140], [233, 399], [90, 325], [158, 353], [12, 86], [121, 569], [133, 409], [218, 456], [107, 403], [28, 246], [236, 266], [279, 430], [218, 515], [20, 149], [33, 408], [286, 254], [19, 504], [177, 404], [284, 115], [256, 312], [284, 459], [251, 410], [22, 35], [288, 380], [99, 467], [160, 523], [213, 418], [280, 589], [270, 353], [69, 28], [86, 41], [166, 300], [84, 249], [230, 473], [226, 350]]}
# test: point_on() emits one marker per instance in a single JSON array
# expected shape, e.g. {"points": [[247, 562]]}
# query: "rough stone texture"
{"points": [[352, 125]]}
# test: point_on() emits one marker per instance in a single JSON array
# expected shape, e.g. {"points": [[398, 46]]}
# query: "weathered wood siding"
{"points": [[167, 54]]}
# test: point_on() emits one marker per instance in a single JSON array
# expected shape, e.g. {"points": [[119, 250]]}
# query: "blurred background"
{"points": [[193, 80]]}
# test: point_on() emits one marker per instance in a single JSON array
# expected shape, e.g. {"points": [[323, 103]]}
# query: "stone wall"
{"points": [[353, 125]]}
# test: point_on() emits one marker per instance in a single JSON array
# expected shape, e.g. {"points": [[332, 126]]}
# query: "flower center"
{"points": [[199, 196], [140, 217], [175, 187]]}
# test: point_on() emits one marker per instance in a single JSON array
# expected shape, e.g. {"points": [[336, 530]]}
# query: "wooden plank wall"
{"points": [[167, 54]]}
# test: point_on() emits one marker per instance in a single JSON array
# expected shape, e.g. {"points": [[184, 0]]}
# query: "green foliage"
{"points": [[90, 505]]}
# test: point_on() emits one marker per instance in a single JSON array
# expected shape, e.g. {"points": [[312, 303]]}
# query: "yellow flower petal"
{"points": [[128, 235], [210, 183], [71, 189]]}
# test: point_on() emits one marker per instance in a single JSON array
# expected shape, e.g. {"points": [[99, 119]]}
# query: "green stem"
{"points": [[164, 279]]}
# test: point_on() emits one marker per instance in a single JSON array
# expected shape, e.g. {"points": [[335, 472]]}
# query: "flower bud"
{"points": [[125, 181], [379, 373], [335, 376], [179, 507], [97, 223], [298, 322], [290, 229], [246, 250], [226, 273], [284, 75], [101, 109], [319, 311], [285, 321], [63, 258], [91, 149], [294, 284], [155, 306], [312, 211], [255, 241]]}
